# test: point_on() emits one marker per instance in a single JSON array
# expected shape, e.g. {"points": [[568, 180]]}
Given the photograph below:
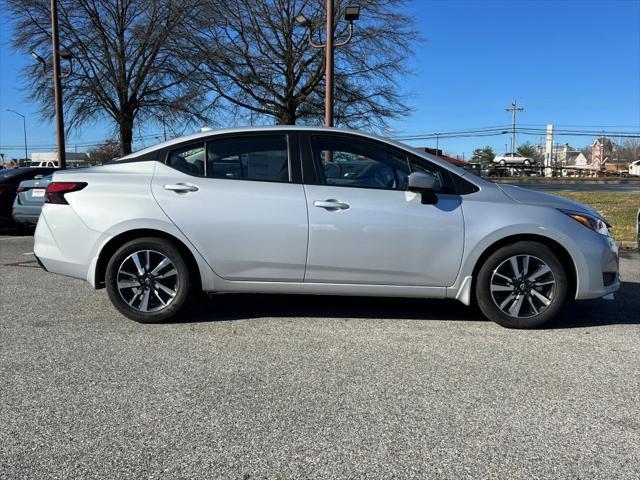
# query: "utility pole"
{"points": [[437, 144], [57, 85], [514, 108]]}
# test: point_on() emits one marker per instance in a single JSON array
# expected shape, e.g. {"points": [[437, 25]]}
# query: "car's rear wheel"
{"points": [[148, 280], [523, 285]]}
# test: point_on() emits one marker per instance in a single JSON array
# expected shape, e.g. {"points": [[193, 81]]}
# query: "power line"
{"points": [[462, 133]]}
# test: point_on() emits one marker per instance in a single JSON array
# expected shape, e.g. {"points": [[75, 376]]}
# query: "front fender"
{"points": [[483, 234]]}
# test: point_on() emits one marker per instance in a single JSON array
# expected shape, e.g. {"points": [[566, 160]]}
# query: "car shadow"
{"points": [[623, 310], [240, 306], [13, 230], [229, 307]]}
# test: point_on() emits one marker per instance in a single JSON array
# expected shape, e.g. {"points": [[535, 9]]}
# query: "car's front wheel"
{"points": [[147, 280], [522, 285]]}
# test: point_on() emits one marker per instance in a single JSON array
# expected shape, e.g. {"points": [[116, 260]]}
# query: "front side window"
{"points": [[262, 158], [351, 163], [189, 159]]}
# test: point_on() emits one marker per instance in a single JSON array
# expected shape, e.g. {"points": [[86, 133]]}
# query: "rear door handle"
{"points": [[331, 204], [181, 187]]}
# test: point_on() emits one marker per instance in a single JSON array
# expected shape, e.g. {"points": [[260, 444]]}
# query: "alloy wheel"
{"points": [[147, 281], [523, 286]]}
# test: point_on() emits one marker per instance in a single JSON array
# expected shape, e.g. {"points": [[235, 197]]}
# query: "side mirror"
{"points": [[423, 183]]}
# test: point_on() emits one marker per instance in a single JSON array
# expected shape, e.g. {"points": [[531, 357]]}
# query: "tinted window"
{"points": [[189, 159], [358, 164], [262, 158]]}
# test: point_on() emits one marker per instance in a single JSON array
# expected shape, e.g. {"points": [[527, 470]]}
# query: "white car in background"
{"points": [[514, 159]]}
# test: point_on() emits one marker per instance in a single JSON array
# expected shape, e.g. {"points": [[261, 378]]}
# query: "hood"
{"points": [[533, 197]]}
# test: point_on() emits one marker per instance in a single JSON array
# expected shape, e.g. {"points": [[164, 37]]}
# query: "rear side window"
{"points": [[263, 158], [189, 159]]}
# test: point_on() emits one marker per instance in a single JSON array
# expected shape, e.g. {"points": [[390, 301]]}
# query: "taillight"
{"points": [[56, 190], [21, 189]]}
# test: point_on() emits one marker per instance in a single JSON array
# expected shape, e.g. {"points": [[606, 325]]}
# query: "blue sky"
{"points": [[572, 63]]}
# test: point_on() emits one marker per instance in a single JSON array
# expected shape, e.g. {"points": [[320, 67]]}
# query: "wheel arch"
{"points": [[563, 254], [116, 242]]}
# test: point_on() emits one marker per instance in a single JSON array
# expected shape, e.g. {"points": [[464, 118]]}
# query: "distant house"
{"points": [[580, 160], [601, 151], [563, 154]]}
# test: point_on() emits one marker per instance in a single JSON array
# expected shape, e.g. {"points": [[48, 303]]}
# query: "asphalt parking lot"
{"points": [[255, 387]]}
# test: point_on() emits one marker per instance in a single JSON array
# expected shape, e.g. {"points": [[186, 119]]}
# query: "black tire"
{"points": [[180, 281], [556, 292]]}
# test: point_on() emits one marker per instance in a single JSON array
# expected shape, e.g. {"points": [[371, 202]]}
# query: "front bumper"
{"points": [[600, 277]]}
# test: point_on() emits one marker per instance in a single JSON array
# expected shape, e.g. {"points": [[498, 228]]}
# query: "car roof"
{"points": [[285, 128]]}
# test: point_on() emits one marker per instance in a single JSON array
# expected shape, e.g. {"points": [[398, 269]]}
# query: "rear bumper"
{"points": [[26, 214], [71, 249]]}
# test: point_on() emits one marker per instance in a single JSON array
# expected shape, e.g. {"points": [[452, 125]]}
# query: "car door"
{"points": [[235, 199], [365, 228]]}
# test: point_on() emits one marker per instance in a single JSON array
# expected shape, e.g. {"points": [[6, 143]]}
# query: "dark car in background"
{"points": [[29, 200], [9, 180]]}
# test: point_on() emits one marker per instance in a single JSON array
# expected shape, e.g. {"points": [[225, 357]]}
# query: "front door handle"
{"points": [[331, 205], [181, 187]]}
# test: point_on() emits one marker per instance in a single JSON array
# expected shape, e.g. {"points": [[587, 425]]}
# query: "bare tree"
{"points": [[105, 152], [124, 58], [628, 150], [258, 60]]}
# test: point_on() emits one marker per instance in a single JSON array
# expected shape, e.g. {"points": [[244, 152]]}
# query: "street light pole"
{"points": [[351, 13], [24, 129], [57, 85], [328, 99]]}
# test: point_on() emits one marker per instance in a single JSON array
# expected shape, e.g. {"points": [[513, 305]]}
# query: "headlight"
{"points": [[594, 223]]}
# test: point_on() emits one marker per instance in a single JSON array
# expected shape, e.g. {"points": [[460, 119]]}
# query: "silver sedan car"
{"points": [[29, 200], [318, 211]]}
